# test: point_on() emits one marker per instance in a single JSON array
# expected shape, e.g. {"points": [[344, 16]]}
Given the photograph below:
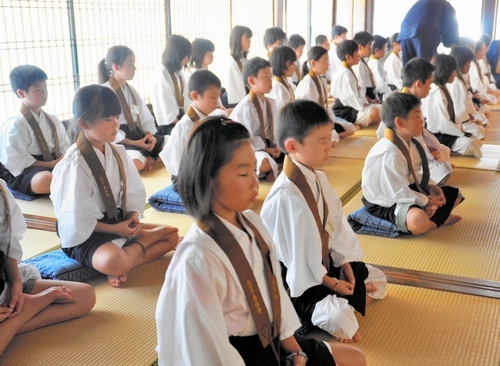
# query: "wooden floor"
{"points": [[428, 318]]}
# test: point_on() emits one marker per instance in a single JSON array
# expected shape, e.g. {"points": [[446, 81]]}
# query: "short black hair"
{"points": [[445, 65], [362, 38], [94, 102], [394, 38], [253, 66], [296, 120], [200, 47], [379, 42], [24, 76], [211, 145], [273, 34], [237, 32], [462, 54], [279, 57], [398, 105], [338, 30], [176, 49], [318, 41], [295, 41], [347, 47], [486, 39], [417, 69], [201, 80]]}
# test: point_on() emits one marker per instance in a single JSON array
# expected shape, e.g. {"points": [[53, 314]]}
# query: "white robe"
{"points": [[486, 68], [18, 226], [464, 108], [298, 245], [481, 84], [434, 108], [363, 74], [345, 88], [294, 80], [307, 90], [202, 302], [76, 197], [280, 94], [334, 62], [141, 109], [386, 178], [176, 145], [246, 114], [393, 67], [232, 80], [378, 71], [18, 142], [163, 96]]}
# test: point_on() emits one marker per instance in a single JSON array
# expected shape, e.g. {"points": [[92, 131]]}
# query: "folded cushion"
{"points": [[56, 265], [362, 222], [167, 200]]}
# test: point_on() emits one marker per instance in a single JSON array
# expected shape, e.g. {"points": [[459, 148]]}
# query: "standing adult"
{"points": [[425, 26]]}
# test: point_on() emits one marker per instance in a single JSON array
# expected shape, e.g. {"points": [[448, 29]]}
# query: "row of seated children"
{"points": [[228, 250]]}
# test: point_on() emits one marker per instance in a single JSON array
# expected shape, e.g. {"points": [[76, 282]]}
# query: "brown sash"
{"points": [[293, 173], [286, 85], [214, 227], [42, 144], [348, 67], [179, 92], [451, 106], [323, 94], [3, 277], [100, 177], [488, 66], [396, 140], [405, 90], [370, 73], [297, 72], [240, 64], [255, 100], [397, 54], [191, 113], [479, 70], [126, 109]]}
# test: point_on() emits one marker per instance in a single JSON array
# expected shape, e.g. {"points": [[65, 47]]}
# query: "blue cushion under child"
{"points": [[167, 200], [24, 196], [362, 222], [56, 265]]}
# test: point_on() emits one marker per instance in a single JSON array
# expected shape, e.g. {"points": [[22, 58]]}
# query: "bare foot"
{"points": [[147, 167], [59, 294], [370, 287], [270, 176], [452, 219], [358, 127], [355, 338], [453, 166], [116, 281]]}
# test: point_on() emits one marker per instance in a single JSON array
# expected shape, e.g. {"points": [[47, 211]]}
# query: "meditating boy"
{"points": [[350, 103], [32, 141], [319, 252], [395, 180]]}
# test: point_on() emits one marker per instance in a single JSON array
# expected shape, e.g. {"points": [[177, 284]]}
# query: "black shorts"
{"points": [[22, 183]]}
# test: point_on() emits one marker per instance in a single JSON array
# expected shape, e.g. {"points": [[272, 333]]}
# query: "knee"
{"points": [[114, 263], [417, 222], [265, 166], [375, 115]]}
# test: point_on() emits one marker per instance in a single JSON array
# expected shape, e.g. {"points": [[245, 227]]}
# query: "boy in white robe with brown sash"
{"points": [[319, 251], [395, 180], [32, 141]]}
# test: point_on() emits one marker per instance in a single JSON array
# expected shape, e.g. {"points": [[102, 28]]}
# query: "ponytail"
{"points": [[103, 73]]}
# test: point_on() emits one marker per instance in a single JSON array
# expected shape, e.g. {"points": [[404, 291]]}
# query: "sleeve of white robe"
{"points": [[246, 114], [344, 88], [163, 96], [18, 227], [434, 107]]}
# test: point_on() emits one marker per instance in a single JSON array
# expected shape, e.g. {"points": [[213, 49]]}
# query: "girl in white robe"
{"points": [[478, 80], [203, 316], [169, 92], [103, 231], [283, 65], [26, 301], [439, 111], [232, 73], [137, 126], [393, 65]]}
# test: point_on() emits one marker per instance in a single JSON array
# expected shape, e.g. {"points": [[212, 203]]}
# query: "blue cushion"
{"points": [[362, 222], [167, 200], [56, 265], [24, 196]]}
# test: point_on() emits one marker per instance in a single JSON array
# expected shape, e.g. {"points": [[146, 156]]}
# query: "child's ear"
{"points": [[115, 67], [251, 80], [82, 124], [194, 95], [21, 93], [290, 146], [398, 122]]}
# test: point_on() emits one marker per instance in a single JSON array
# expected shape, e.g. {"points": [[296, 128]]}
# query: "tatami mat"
{"points": [[370, 131], [356, 147], [469, 248], [155, 179], [489, 161], [120, 330], [491, 136], [420, 327], [35, 242], [40, 207], [180, 221]]}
